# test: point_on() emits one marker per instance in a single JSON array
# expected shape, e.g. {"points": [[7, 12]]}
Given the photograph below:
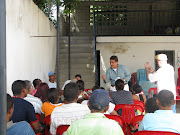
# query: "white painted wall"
{"points": [[28, 57], [133, 52]]}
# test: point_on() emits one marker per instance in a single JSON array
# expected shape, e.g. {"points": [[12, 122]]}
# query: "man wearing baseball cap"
{"points": [[95, 123], [164, 76], [52, 79]]}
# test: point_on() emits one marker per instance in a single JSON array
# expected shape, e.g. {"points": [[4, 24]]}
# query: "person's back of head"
{"points": [[36, 82], [80, 84], [99, 101], [137, 89], [53, 95], [71, 92], [165, 99], [119, 84], [9, 103], [151, 105], [18, 86], [95, 88], [41, 92], [29, 87], [78, 77], [9, 107], [114, 58]]}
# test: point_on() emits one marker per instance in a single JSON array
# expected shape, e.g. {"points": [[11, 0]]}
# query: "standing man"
{"points": [[115, 72], [164, 76]]}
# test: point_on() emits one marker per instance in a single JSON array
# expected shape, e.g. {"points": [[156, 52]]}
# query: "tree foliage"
{"points": [[69, 5]]}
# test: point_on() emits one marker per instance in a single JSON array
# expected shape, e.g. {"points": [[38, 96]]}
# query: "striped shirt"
{"points": [[35, 101], [66, 114], [121, 97]]}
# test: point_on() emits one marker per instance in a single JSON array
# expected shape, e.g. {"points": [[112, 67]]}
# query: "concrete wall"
{"points": [[28, 57], [133, 51]]}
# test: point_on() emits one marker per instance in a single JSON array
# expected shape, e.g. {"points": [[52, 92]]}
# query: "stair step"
{"points": [[77, 50], [77, 55], [76, 46], [76, 39]]}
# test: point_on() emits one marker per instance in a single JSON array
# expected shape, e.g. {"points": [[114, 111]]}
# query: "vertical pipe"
{"points": [[69, 50], [95, 57], [3, 101], [58, 47]]}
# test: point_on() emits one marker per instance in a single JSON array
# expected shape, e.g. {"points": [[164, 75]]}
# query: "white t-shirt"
{"points": [[52, 85], [36, 102], [165, 79], [111, 106]]}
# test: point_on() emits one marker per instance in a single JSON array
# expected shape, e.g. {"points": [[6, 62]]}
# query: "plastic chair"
{"points": [[141, 103], [145, 132], [88, 91], [47, 121], [128, 112], [134, 78], [141, 75], [117, 118], [152, 89], [177, 93], [38, 116], [61, 129], [135, 121]]}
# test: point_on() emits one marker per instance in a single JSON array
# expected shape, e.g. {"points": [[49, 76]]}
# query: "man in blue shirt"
{"points": [[163, 119], [20, 128], [23, 110], [115, 72]]}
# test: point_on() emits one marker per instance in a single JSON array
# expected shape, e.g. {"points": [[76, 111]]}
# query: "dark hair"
{"points": [[119, 84], [9, 103], [36, 83], [166, 98], [17, 87], [80, 84], [138, 89], [28, 84], [71, 92], [95, 87], [52, 95], [114, 58], [41, 91], [151, 105], [78, 75]]}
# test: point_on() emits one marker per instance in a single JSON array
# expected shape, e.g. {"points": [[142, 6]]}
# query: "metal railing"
{"points": [[137, 22]]}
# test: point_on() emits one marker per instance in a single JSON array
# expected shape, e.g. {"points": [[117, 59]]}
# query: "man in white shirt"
{"points": [[70, 110], [36, 102], [52, 79], [164, 76]]}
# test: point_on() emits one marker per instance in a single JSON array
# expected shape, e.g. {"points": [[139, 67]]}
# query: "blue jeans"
{"points": [[173, 108], [20, 128]]}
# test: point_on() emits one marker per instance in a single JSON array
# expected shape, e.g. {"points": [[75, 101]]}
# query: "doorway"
{"points": [[170, 54]]}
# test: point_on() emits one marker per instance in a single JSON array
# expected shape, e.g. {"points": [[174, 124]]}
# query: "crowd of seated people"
{"points": [[84, 112]]}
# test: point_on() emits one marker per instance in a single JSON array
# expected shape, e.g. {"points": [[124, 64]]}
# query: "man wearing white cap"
{"points": [[164, 76]]}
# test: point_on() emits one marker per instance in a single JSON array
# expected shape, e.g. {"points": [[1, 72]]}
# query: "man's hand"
{"points": [[146, 65], [151, 69], [104, 78]]}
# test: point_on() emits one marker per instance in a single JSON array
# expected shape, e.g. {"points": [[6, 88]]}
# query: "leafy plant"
{"points": [[70, 6]]}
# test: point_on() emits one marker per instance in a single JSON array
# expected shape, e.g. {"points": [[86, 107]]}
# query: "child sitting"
{"points": [[138, 93], [53, 96]]}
